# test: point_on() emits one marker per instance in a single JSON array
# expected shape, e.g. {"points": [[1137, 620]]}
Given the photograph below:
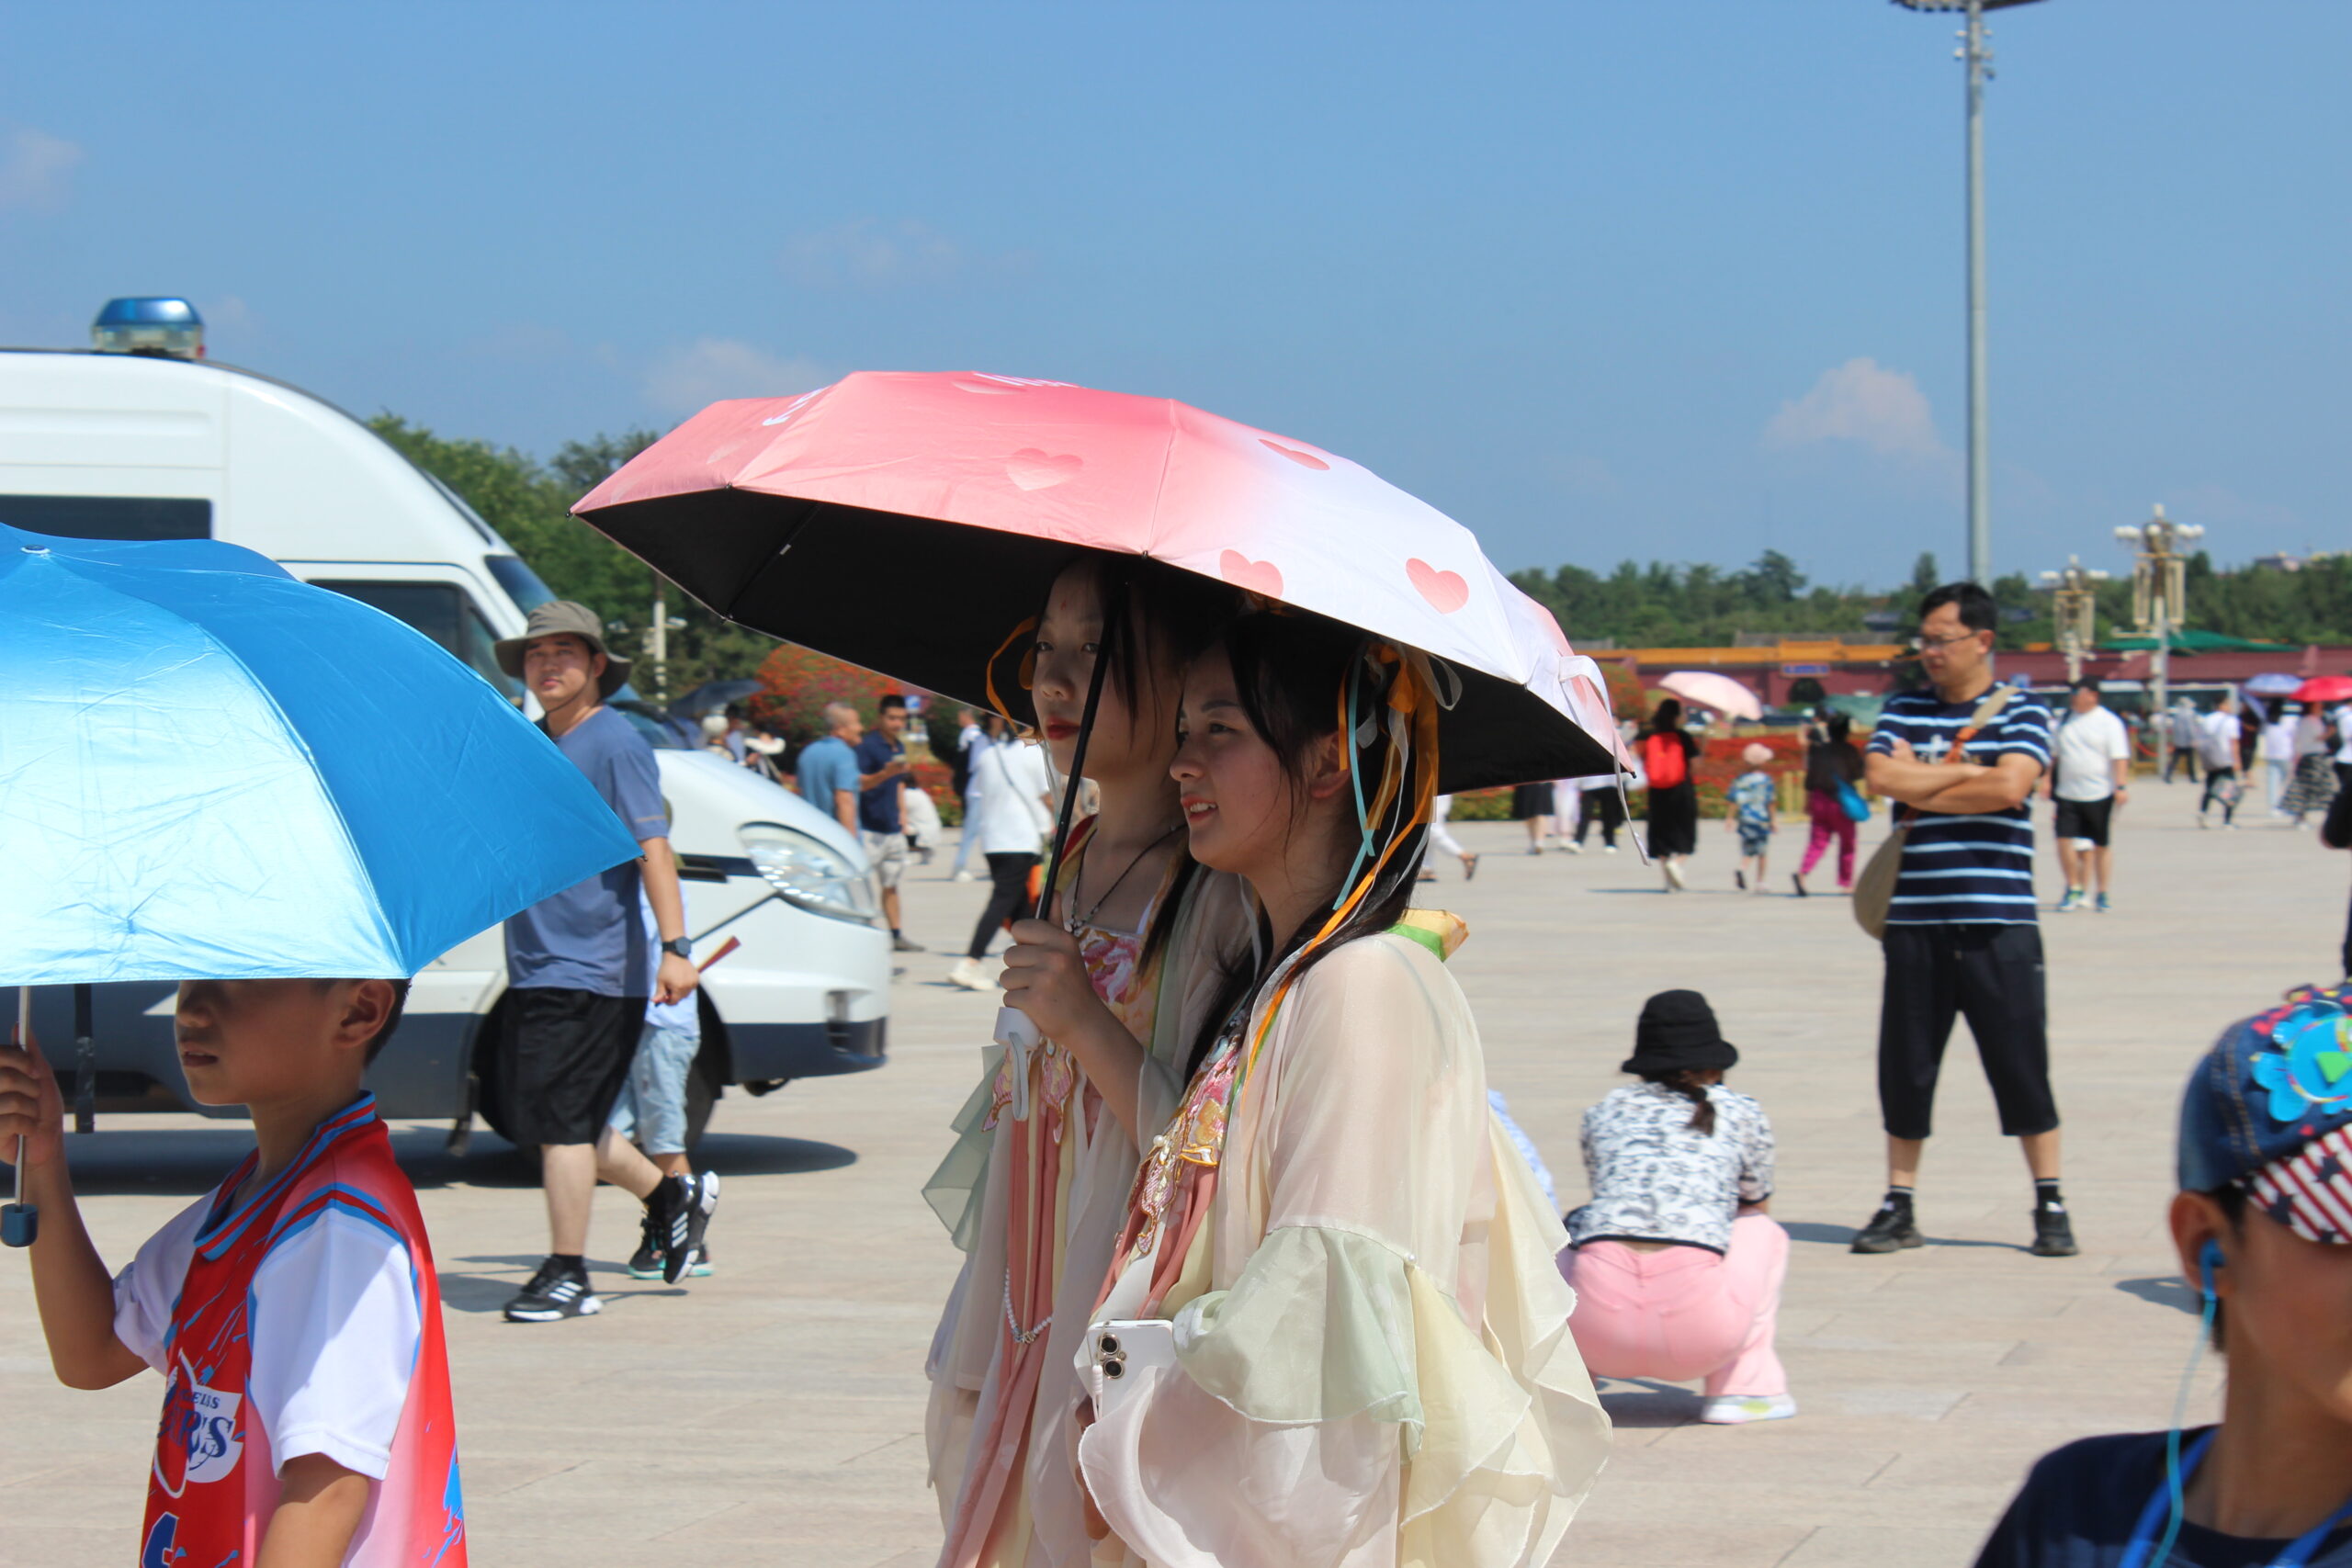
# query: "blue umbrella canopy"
{"points": [[211, 770]]}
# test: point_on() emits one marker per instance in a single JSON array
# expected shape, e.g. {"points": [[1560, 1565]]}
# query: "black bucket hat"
{"points": [[1677, 1033]]}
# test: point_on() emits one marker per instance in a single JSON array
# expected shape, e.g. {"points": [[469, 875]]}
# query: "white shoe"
{"points": [[1738, 1409], [970, 974], [1572, 846], [965, 876], [1674, 873]]}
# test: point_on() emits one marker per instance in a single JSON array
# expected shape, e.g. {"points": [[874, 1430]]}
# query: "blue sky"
{"points": [[1662, 280]]}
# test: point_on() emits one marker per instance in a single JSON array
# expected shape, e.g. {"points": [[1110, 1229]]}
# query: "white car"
{"points": [[151, 446]]}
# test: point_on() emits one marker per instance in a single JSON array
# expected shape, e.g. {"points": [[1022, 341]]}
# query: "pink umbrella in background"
{"points": [[1704, 688], [909, 521]]}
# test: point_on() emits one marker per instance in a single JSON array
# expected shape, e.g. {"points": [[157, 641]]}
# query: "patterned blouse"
{"points": [[1655, 1179]]}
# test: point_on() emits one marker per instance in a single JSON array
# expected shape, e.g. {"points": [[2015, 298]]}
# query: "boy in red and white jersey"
{"points": [[293, 1311]]}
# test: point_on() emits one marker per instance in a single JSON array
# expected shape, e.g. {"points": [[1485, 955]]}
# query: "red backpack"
{"points": [[1664, 760]]}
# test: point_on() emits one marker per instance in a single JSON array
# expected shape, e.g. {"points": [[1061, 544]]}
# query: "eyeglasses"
{"points": [[1945, 642]]}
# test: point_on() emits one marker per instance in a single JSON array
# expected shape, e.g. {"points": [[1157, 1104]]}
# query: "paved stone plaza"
{"points": [[773, 1413]]}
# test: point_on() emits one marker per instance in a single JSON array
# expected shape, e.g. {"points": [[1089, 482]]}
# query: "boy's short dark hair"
{"points": [[891, 700], [2087, 683], [1977, 611], [392, 1018]]}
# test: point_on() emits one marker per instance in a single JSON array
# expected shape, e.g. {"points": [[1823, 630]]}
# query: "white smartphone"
{"points": [[1120, 1349]]}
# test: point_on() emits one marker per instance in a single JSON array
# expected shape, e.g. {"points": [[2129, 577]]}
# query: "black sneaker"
{"points": [[1797, 881], [2054, 1232], [698, 1213], [668, 1211], [555, 1291], [645, 1263], [1890, 1230]]}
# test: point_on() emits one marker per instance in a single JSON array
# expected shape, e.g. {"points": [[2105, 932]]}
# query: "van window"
{"points": [[522, 584], [109, 517], [443, 612]]}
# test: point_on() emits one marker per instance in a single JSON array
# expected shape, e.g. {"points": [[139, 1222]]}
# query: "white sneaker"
{"points": [[1740, 1409], [965, 876], [1572, 846], [970, 974]]}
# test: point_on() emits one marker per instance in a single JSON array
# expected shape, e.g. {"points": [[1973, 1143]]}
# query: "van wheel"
{"points": [[490, 1094], [705, 1083]]}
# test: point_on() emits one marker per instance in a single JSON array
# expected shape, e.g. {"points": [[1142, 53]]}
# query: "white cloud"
{"points": [[1864, 402], [866, 253], [34, 167], [682, 380]]}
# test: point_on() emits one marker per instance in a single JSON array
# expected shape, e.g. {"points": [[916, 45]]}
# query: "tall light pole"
{"points": [[2159, 594], [1976, 56], [2074, 604]]}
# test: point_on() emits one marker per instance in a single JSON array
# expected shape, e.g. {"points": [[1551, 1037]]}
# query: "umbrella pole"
{"points": [[1015, 1031], [19, 1222], [85, 1064]]}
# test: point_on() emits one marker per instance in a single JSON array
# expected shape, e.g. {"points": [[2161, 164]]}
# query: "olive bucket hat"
{"points": [[564, 615]]}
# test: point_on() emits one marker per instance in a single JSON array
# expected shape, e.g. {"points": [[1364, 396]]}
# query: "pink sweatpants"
{"points": [[1830, 822], [1682, 1313]]}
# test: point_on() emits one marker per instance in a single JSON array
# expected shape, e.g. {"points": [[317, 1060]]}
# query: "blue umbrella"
{"points": [[211, 770], [2273, 685]]}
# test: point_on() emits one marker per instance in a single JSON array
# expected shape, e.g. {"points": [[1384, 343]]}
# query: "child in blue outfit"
{"points": [[1751, 814]]}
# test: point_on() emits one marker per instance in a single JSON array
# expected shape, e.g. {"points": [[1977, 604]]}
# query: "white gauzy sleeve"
{"points": [[335, 1328], [1375, 1384]]}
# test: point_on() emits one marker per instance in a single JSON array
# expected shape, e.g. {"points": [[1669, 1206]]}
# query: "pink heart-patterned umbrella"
{"points": [[907, 522]]}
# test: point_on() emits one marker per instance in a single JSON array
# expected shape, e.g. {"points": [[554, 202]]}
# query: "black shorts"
{"points": [[2083, 820], [562, 1058], [1991, 975]]}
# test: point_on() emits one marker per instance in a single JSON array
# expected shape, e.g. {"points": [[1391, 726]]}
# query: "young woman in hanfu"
{"points": [[1036, 1188], [1372, 1363]]}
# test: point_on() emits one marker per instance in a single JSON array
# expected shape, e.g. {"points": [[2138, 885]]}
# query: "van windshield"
{"points": [[522, 584]]}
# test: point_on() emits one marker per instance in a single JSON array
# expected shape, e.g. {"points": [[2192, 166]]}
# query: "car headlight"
{"points": [[809, 874]]}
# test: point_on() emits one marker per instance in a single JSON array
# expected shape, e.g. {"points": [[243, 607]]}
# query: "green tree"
{"points": [[529, 505]]}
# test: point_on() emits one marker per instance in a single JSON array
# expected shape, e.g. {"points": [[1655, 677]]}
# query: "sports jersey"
{"points": [[303, 1318], [1973, 867]]}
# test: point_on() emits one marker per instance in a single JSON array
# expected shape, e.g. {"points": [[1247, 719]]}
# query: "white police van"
{"points": [[141, 439]]}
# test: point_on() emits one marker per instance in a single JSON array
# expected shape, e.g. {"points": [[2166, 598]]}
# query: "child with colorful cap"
{"points": [[2262, 1224]]}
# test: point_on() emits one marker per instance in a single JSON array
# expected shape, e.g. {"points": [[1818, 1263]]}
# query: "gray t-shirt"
{"points": [[589, 937]]}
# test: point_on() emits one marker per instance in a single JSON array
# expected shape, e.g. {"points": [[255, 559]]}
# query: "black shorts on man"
{"points": [[563, 1055], [2082, 820]]}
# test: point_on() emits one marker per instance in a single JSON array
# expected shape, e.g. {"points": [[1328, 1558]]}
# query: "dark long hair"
{"points": [[1153, 613], [1667, 719], [1686, 1082], [1291, 671]]}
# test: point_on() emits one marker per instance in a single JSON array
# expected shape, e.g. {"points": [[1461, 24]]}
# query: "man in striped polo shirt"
{"points": [[1960, 932]]}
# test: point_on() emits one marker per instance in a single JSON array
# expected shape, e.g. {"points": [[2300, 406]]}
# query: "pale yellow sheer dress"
{"points": [[1375, 1363]]}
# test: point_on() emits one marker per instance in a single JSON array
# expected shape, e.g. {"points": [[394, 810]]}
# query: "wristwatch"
{"points": [[679, 947]]}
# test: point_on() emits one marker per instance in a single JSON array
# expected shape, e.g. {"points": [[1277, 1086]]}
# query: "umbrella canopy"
{"points": [[1708, 690], [776, 511], [2277, 685], [2325, 689], [209, 771]]}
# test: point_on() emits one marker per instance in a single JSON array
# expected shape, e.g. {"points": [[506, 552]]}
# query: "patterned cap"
{"points": [[2269, 1109]]}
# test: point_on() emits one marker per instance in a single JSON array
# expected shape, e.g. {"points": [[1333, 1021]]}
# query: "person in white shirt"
{"points": [[1011, 810], [2092, 773], [2217, 747], [2278, 754]]}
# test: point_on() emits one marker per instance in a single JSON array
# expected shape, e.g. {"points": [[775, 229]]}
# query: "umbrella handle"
{"points": [[19, 1221]]}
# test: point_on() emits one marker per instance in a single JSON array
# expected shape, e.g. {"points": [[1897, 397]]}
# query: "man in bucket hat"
{"points": [[578, 970], [2263, 1225]]}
